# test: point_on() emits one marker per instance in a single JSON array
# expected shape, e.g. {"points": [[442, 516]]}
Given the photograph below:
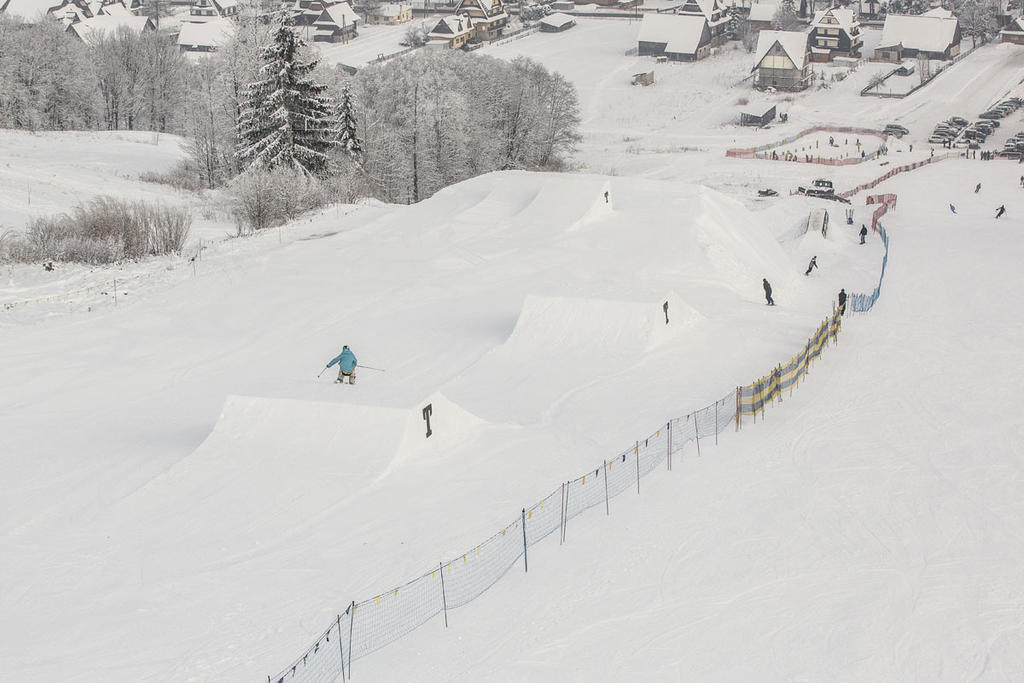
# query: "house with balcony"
{"points": [[835, 32], [715, 14]]}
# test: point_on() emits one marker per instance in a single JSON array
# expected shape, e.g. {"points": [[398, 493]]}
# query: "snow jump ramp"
{"points": [[560, 344]]}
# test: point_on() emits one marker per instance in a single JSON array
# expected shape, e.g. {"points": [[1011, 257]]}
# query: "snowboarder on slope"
{"points": [[952, 208], [864, 232], [812, 265], [1000, 211], [842, 301], [977, 188], [346, 361], [767, 292]]}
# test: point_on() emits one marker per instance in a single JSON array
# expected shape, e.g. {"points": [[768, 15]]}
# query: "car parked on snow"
{"points": [[895, 129]]}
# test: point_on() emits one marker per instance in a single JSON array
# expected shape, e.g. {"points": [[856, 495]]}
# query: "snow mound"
{"points": [[561, 345]]}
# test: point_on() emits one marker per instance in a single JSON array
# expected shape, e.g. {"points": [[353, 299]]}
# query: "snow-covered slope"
{"points": [[185, 500]]}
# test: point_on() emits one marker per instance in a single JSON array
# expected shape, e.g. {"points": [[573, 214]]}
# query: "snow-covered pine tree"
{"points": [[286, 119], [348, 138]]}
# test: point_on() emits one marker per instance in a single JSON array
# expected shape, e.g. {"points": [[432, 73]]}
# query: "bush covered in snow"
{"points": [[106, 230]]}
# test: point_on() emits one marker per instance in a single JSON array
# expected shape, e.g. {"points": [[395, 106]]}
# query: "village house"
{"points": [[203, 37], [336, 23], [679, 37], [451, 32], [390, 14], [30, 11], [557, 22], [95, 29], [835, 32], [201, 10], [782, 60], [713, 12], [932, 35], [306, 12], [489, 17], [761, 16], [1014, 32]]}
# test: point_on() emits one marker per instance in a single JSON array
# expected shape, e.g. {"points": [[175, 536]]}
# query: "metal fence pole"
{"points": [[444, 597], [716, 423], [668, 438], [565, 510], [341, 649], [696, 433], [526, 566], [607, 511], [561, 518], [351, 627], [636, 452]]}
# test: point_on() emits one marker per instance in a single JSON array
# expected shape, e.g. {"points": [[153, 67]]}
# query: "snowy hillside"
{"points": [[187, 500]]}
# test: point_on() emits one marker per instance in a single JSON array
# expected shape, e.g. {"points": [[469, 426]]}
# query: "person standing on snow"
{"points": [[977, 188], [842, 301], [346, 361], [863, 232], [812, 265], [767, 291], [1000, 211]]}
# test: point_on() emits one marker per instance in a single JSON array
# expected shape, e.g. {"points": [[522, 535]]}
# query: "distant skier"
{"points": [[864, 232], [606, 196], [1000, 211], [977, 188], [842, 301], [346, 361], [1022, 181], [812, 265], [952, 208], [767, 292]]}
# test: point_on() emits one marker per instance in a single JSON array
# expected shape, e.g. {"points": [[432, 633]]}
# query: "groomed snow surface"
{"points": [[185, 500]]}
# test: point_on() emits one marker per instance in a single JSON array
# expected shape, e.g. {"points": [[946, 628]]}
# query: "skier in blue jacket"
{"points": [[346, 361]]}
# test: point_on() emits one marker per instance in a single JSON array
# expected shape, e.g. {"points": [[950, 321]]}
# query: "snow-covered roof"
{"points": [[226, 5], [939, 13], [451, 26], [763, 11], [845, 18], [680, 32], [557, 20], [794, 43], [210, 35], [97, 28], [390, 10], [339, 15], [1015, 26], [926, 33], [115, 9], [31, 10]]}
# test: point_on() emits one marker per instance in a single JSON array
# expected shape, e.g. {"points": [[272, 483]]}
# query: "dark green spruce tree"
{"points": [[348, 139], [287, 119]]}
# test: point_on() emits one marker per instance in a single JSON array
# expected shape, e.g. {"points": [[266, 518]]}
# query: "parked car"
{"points": [[895, 130], [958, 120], [992, 114], [937, 140]]}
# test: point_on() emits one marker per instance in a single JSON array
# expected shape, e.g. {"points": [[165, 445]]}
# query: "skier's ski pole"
{"points": [[322, 372], [367, 367]]}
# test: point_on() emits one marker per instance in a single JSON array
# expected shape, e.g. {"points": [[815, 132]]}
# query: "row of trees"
{"points": [[51, 80], [398, 131]]}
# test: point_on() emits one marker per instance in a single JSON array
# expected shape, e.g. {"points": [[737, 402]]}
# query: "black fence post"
{"points": [[444, 597], [607, 511], [526, 566], [341, 650]]}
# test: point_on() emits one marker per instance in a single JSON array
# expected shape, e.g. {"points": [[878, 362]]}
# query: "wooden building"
{"points": [[835, 32], [679, 37], [934, 35], [782, 60]]}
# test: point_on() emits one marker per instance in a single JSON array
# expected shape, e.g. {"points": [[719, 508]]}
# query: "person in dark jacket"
{"points": [[863, 233], [842, 301], [767, 291], [1000, 211], [346, 362], [977, 188], [812, 265]]}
